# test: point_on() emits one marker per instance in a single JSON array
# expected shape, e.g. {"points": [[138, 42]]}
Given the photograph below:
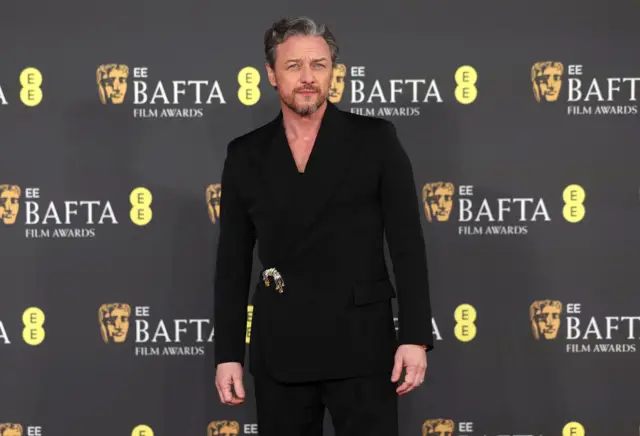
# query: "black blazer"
{"points": [[323, 231]]}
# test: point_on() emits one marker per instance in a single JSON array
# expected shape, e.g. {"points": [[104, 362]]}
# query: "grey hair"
{"points": [[282, 29]]}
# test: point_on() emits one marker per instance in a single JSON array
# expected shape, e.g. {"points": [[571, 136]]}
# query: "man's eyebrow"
{"points": [[312, 60]]}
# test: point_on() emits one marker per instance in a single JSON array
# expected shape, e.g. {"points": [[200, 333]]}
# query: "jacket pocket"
{"points": [[374, 291]]}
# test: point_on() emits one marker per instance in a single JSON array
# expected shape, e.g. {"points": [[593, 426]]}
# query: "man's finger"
{"points": [[226, 391], [237, 394], [409, 379], [239, 387], [219, 392], [397, 368]]}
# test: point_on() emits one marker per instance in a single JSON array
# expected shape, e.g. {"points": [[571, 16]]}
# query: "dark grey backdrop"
{"points": [[505, 144]]}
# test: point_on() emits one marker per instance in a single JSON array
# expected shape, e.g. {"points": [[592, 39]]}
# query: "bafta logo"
{"points": [[337, 83], [212, 195], [437, 427], [546, 78], [438, 200], [10, 430], [545, 318], [223, 428], [9, 205], [112, 83], [114, 322]]}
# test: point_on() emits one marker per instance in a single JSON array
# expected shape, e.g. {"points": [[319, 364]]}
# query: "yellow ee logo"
{"points": [[140, 213], [573, 429], [33, 320], [466, 77], [249, 79], [465, 316], [142, 430], [31, 80], [573, 210]]}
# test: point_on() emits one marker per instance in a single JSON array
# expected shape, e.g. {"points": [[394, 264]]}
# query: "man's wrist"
{"points": [[424, 347]]}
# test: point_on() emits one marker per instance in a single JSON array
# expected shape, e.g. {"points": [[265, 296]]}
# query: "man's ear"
{"points": [[271, 74]]}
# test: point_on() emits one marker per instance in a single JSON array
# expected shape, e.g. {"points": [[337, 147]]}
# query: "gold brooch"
{"points": [[276, 277]]}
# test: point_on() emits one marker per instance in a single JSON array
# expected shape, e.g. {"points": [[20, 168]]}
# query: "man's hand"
{"points": [[230, 374], [414, 359]]}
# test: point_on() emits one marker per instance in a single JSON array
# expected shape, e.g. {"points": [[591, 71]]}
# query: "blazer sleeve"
{"points": [[405, 239], [233, 266]]}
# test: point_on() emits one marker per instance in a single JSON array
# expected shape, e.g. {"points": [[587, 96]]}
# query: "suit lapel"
{"points": [[296, 200]]}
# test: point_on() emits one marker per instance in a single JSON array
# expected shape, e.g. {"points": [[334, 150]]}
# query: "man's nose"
{"points": [[306, 75]]}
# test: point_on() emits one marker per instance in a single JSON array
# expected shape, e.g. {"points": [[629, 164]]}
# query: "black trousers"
{"points": [[366, 405]]}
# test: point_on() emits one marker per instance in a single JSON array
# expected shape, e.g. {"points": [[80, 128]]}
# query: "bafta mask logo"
{"points": [[213, 194], [438, 200], [114, 322], [112, 83], [9, 204], [337, 83], [223, 428], [545, 318], [10, 430], [546, 78], [437, 427]]}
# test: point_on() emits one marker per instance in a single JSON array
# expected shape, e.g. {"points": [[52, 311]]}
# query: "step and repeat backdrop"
{"points": [[521, 121]]}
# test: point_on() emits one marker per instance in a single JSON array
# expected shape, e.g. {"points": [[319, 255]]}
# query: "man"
{"points": [[318, 188]]}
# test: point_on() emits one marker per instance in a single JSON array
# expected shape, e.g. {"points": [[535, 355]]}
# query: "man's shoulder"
{"points": [[251, 138], [368, 123]]}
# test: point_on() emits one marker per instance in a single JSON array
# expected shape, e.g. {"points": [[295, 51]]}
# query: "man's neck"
{"points": [[299, 127]]}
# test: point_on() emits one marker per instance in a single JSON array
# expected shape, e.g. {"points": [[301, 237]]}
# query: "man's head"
{"points": [[300, 57]]}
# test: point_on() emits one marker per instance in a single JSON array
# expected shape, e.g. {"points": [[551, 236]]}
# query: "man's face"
{"points": [[549, 82], [548, 321], [302, 72], [115, 85], [118, 324], [9, 206]]}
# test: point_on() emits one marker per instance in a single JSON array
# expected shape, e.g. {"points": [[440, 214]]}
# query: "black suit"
{"points": [[323, 231]]}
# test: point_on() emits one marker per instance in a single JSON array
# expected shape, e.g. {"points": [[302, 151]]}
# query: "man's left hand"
{"points": [[414, 359]]}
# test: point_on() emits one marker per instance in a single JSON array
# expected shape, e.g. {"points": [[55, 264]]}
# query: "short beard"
{"points": [[306, 110]]}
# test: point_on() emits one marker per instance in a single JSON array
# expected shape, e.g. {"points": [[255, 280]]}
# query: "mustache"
{"points": [[307, 88]]}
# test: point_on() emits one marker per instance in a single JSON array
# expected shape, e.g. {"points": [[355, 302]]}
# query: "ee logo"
{"points": [[573, 210], [33, 320], [249, 79], [30, 91], [573, 429], [140, 200], [465, 316], [466, 77], [142, 430]]}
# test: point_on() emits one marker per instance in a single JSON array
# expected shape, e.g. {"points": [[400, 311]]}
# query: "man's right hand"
{"points": [[230, 374]]}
